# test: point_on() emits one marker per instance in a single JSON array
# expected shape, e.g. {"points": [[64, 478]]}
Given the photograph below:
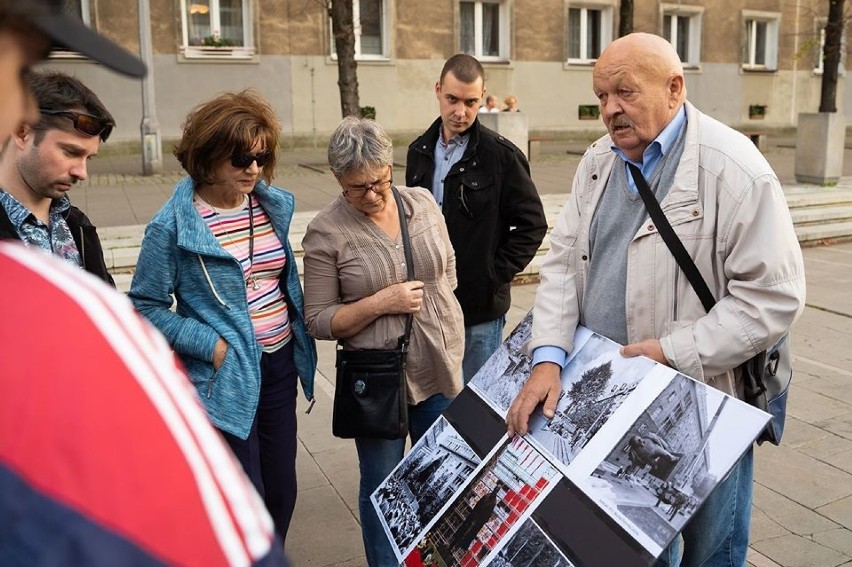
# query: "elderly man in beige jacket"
{"points": [[609, 269]]}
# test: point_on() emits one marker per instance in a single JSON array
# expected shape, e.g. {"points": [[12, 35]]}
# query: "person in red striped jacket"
{"points": [[106, 456]]}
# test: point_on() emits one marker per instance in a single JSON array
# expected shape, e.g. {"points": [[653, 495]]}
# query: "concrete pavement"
{"points": [[802, 514]]}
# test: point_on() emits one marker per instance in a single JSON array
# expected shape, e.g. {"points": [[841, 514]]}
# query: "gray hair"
{"points": [[358, 143]]}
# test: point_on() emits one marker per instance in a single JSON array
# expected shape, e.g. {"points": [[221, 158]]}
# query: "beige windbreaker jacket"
{"points": [[727, 207]]}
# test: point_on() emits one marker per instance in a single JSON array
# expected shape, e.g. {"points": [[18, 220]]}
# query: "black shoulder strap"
{"points": [[409, 262], [672, 241]]}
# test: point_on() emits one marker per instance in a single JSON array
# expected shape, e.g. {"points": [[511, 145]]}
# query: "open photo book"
{"points": [[632, 452]]}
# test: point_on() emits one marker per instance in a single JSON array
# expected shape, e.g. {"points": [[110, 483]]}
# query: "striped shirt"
{"points": [[262, 268]]}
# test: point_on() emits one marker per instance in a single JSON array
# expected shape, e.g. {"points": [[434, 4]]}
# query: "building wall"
{"points": [[294, 70]]}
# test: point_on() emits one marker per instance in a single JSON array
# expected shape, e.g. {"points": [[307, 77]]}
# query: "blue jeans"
{"points": [[480, 342], [376, 459], [717, 536]]}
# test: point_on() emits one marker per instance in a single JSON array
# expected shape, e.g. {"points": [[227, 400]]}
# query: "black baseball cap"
{"points": [[68, 31]]}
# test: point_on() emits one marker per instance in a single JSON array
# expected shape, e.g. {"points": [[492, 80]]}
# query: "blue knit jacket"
{"points": [[181, 259]]}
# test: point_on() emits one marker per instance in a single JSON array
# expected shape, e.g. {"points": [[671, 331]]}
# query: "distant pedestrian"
{"points": [[219, 249], [511, 103], [42, 163], [481, 181], [491, 104]]}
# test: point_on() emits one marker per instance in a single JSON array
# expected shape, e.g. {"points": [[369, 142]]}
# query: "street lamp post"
{"points": [[152, 155]]}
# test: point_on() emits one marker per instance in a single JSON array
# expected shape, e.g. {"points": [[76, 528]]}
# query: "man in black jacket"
{"points": [[493, 213], [39, 164]]}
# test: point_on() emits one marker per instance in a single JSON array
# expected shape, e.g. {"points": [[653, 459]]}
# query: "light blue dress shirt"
{"points": [[446, 156]]}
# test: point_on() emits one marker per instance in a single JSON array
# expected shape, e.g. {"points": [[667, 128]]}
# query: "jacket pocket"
{"points": [[200, 373], [476, 195]]}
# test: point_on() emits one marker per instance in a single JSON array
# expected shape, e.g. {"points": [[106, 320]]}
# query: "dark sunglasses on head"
{"points": [[85, 123], [242, 161]]}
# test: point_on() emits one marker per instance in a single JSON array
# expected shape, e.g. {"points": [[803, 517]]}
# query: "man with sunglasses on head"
{"points": [[39, 165]]}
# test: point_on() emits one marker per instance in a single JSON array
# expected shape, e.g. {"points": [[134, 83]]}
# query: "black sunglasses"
{"points": [[242, 161], [85, 123]]}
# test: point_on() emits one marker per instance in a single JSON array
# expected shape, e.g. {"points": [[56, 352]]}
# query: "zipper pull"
{"points": [[311, 405], [209, 388]]}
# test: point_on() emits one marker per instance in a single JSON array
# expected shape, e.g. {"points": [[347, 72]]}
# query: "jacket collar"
{"points": [[426, 142], [192, 231], [685, 186]]}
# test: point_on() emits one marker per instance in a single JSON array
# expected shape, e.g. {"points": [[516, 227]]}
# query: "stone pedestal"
{"points": [[512, 125], [820, 139]]}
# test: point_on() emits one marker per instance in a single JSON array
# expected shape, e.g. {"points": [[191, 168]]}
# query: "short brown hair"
{"points": [[464, 67], [228, 124], [54, 90]]}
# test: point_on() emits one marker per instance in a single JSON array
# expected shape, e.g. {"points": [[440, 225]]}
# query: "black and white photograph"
{"points": [[530, 547], [501, 495], [595, 382], [501, 378], [414, 493], [671, 458], [505, 372]]}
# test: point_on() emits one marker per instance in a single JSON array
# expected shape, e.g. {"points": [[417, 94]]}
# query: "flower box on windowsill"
{"points": [[757, 111], [210, 52], [588, 112]]}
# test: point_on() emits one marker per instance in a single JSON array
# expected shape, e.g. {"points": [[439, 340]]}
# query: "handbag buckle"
{"points": [[772, 367]]}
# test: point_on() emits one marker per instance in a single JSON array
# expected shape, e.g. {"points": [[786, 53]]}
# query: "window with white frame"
{"points": [[682, 28], [760, 41], [370, 21], [484, 29], [217, 28], [589, 31], [818, 60]]}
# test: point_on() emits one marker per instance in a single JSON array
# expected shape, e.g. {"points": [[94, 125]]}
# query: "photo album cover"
{"points": [[632, 452]]}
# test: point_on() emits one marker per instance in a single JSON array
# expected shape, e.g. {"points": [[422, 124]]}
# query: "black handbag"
{"points": [[767, 375], [371, 397]]}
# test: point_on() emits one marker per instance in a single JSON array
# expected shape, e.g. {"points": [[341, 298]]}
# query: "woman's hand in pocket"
{"points": [[219, 353]]}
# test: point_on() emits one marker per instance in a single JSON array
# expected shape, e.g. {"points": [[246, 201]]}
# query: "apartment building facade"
{"points": [[754, 64]]}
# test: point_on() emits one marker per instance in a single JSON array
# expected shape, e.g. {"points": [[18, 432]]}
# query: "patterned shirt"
{"points": [[54, 238], [267, 307]]}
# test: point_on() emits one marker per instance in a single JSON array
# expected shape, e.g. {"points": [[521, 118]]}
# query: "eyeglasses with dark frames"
{"points": [[377, 186], [242, 161], [85, 123]]}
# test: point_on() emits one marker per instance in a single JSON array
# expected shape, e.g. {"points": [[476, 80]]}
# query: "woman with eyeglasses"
{"points": [[219, 249], [356, 291]]}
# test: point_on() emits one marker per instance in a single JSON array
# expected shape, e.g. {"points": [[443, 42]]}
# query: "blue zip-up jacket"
{"points": [[181, 258]]}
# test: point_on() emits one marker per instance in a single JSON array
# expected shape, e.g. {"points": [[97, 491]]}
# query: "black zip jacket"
{"points": [[493, 214], [85, 237]]}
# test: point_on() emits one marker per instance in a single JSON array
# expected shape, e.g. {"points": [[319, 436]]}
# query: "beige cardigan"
{"points": [[348, 257]]}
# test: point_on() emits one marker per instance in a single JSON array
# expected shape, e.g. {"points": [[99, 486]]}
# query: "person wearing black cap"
{"points": [[106, 456]]}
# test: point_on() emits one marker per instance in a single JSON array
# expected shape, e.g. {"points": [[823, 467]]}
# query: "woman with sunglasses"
{"points": [[356, 291], [219, 248]]}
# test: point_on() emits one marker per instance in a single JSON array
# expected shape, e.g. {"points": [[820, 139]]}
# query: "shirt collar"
{"points": [[664, 140], [19, 214], [459, 139]]}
